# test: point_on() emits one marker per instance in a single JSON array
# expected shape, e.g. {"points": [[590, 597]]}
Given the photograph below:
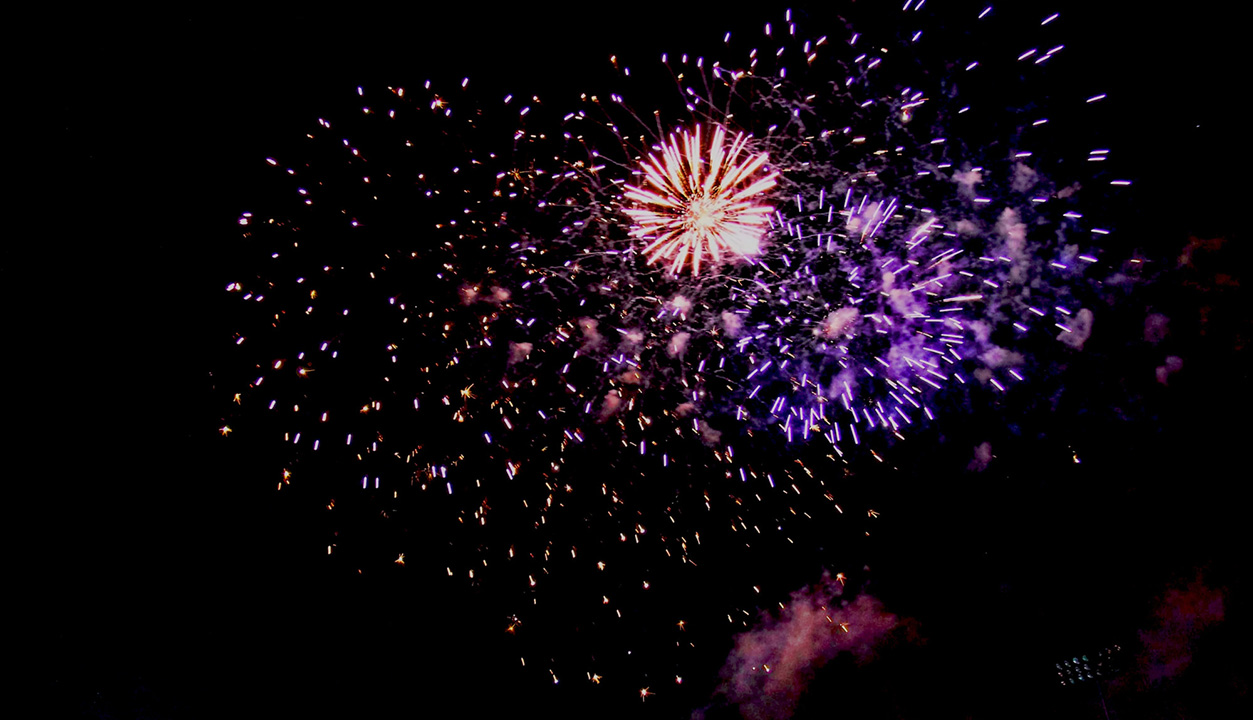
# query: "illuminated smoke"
{"points": [[771, 665]]}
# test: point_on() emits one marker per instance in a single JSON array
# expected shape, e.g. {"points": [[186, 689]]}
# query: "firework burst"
{"points": [[701, 201]]}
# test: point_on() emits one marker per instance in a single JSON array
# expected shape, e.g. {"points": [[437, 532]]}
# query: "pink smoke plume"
{"points": [[770, 666], [1180, 617]]}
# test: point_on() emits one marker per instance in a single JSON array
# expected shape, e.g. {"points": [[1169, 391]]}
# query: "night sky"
{"points": [[166, 577]]}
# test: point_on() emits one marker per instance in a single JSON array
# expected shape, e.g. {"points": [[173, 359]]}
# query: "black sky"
{"points": [[164, 579]]}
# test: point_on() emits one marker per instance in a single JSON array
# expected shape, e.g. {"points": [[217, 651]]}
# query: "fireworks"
{"points": [[701, 201], [471, 336]]}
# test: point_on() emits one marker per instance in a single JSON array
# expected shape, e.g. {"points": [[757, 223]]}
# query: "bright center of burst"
{"points": [[699, 200], [704, 215]]}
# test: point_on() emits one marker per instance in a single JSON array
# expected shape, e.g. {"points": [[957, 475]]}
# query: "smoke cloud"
{"points": [[678, 344], [519, 351], [771, 665], [1156, 328], [1172, 365], [1080, 330], [1181, 616], [591, 335], [838, 323], [983, 458]]}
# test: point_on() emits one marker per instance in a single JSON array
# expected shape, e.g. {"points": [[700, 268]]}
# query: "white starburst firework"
{"points": [[701, 201]]}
